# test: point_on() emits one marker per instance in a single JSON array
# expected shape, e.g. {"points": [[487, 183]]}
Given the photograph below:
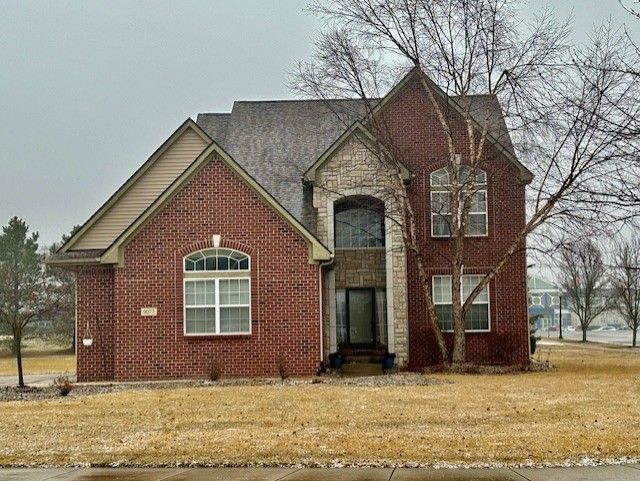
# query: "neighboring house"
{"points": [[243, 242], [544, 304], [610, 317]]}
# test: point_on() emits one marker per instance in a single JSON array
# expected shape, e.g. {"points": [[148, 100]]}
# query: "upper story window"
{"points": [[217, 293], [441, 202], [359, 222]]}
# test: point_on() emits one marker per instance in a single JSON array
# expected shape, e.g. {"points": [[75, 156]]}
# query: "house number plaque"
{"points": [[149, 311]]}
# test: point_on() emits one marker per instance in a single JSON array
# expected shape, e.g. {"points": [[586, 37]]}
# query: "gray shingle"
{"points": [[75, 255], [215, 125], [486, 108], [277, 141]]}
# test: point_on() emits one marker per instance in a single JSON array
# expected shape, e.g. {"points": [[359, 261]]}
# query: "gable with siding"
{"points": [[144, 189]]}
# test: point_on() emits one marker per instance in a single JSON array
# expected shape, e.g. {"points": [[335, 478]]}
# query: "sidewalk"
{"points": [[31, 380], [629, 472]]}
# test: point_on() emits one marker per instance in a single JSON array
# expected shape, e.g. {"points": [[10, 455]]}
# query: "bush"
{"points": [[282, 368], [505, 348], [215, 371], [63, 384], [534, 341]]}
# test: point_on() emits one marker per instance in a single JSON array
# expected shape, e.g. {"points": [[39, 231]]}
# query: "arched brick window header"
{"points": [[224, 244]]}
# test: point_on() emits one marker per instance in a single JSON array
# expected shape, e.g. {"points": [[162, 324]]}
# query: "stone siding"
{"points": [[356, 170], [360, 268]]}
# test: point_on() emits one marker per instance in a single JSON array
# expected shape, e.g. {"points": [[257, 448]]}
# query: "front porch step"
{"points": [[363, 355], [360, 369]]}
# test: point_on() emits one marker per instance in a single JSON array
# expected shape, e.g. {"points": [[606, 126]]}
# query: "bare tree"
{"points": [[631, 6], [23, 289], [583, 281], [573, 112], [625, 280]]}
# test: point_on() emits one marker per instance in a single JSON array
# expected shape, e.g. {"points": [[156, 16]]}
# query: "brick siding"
{"points": [[284, 291], [420, 144]]}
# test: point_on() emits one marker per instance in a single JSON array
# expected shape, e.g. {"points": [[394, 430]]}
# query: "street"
{"points": [[609, 337]]}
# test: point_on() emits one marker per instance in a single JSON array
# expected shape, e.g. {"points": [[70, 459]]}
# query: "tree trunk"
{"points": [[18, 343], [431, 313], [635, 333], [584, 334], [459, 335]]}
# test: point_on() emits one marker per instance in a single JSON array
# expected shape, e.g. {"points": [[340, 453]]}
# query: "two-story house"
{"points": [[259, 237]]}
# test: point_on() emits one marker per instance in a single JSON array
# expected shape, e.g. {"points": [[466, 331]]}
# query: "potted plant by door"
{"points": [[335, 360], [345, 350], [388, 361]]}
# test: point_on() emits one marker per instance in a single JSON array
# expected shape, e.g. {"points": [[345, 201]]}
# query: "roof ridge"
{"points": [[474, 95], [299, 100]]}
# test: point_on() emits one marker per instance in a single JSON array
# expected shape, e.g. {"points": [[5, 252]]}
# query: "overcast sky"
{"points": [[88, 90]]}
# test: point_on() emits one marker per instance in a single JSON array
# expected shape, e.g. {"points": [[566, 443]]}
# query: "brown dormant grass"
{"points": [[38, 363], [586, 407]]}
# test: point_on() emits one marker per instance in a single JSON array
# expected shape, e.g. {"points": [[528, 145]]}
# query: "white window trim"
{"points": [[485, 212], [221, 272], [488, 303], [443, 186], [217, 307]]}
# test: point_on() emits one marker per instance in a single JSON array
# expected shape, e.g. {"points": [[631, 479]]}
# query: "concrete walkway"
{"points": [[629, 472], [35, 380]]}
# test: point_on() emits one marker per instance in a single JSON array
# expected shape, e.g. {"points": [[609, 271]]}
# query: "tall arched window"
{"points": [[217, 293], [359, 222], [441, 202]]}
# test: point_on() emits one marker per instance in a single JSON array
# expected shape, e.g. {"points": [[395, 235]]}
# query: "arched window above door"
{"points": [[359, 223]]}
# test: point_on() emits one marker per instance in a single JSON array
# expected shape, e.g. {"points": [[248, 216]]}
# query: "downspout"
{"points": [[75, 329], [320, 271]]}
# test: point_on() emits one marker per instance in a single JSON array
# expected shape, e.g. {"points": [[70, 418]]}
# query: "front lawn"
{"points": [[38, 362], [587, 407]]}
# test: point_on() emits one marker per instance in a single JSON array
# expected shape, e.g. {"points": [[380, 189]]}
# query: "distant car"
{"points": [[607, 328], [552, 328], [571, 328]]}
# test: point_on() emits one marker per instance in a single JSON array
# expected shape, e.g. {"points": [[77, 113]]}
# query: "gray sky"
{"points": [[88, 90]]}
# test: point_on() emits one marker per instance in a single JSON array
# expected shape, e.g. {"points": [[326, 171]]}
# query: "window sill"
{"points": [[444, 237], [224, 334], [471, 331]]}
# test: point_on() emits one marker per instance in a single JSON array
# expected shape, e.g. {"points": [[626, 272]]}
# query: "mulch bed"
{"points": [[14, 393]]}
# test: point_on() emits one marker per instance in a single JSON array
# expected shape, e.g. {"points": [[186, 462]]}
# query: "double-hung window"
{"points": [[217, 293], [478, 316], [441, 202]]}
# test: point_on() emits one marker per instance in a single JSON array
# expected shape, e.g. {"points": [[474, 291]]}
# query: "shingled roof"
{"points": [[277, 141]]}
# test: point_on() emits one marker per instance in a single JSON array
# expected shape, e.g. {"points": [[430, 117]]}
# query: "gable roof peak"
{"points": [[476, 106]]}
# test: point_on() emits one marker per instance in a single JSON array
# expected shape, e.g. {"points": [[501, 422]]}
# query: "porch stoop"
{"points": [[360, 369]]}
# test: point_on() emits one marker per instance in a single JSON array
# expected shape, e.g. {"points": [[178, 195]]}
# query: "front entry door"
{"points": [[361, 312]]}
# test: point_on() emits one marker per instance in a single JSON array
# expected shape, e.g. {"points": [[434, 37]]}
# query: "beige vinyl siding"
{"points": [[143, 192]]}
